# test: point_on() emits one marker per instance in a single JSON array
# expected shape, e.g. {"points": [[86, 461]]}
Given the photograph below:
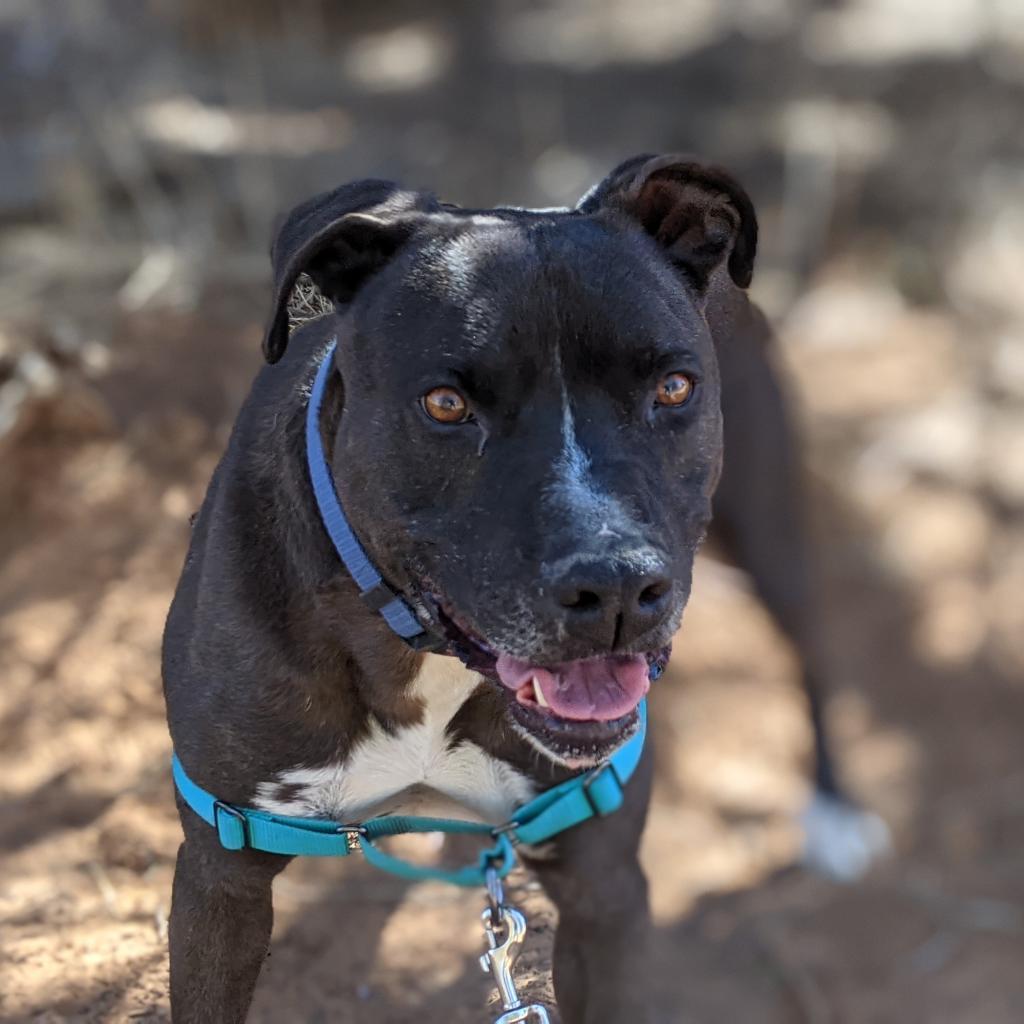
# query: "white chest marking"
{"points": [[415, 770]]}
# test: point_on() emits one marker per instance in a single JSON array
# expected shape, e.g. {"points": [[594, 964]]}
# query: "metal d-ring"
{"points": [[495, 891], [351, 834]]}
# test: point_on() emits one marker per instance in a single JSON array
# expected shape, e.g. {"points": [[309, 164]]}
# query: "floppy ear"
{"points": [[697, 212], [339, 238]]}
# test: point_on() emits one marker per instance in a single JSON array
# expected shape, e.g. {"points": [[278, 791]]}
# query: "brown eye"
{"points": [[446, 405], [674, 389]]}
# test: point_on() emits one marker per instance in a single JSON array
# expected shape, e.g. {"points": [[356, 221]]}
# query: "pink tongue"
{"points": [[598, 689]]}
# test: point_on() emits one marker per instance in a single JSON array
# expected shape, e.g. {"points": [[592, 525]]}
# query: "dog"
{"points": [[523, 421]]}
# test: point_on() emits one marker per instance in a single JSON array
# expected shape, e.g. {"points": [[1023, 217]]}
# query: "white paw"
{"points": [[842, 841]]}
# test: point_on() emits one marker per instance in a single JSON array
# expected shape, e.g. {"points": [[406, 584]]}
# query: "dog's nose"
{"points": [[609, 604]]}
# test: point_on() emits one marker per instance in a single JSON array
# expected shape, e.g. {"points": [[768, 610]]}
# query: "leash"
{"points": [[595, 793], [505, 930]]}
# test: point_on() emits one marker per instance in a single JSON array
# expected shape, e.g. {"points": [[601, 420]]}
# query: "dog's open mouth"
{"points": [[594, 690], [578, 711]]}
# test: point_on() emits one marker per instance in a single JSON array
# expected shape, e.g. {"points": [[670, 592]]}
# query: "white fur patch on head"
{"points": [[415, 770], [842, 841], [461, 270], [459, 261], [574, 483]]}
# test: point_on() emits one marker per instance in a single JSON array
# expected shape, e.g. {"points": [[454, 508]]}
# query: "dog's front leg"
{"points": [[219, 929], [593, 875]]}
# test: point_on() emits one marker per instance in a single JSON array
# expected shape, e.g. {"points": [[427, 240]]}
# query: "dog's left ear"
{"points": [[697, 212], [340, 239]]}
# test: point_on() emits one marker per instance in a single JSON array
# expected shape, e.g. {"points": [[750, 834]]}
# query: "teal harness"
{"points": [[594, 793]]}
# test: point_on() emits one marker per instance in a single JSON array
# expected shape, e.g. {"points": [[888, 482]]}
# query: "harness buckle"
{"points": [[603, 790], [232, 826]]}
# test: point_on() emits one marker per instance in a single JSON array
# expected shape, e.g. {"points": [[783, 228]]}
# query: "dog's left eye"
{"points": [[446, 405], [674, 389]]}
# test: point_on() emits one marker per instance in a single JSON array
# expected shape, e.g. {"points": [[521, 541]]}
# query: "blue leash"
{"points": [[594, 793]]}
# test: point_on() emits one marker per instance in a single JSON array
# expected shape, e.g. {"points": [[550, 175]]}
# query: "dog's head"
{"points": [[530, 431]]}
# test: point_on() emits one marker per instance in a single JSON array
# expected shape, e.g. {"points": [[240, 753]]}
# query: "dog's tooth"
{"points": [[538, 693]]}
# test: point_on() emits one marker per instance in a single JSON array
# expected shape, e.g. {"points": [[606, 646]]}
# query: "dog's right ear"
{"points": [[698, 213], [339, 239]]}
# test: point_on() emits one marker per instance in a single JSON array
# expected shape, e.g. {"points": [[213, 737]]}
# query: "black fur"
{"points": [[270, 659]]}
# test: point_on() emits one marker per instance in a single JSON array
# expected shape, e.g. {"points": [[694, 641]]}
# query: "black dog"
{"points": [[524, 426]]}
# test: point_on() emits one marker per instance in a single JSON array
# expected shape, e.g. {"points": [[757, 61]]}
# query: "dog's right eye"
{"points": [[446, 405], [674, 389]]}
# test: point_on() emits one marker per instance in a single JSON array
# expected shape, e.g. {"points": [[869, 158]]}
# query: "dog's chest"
{"points": [[415, 770]]}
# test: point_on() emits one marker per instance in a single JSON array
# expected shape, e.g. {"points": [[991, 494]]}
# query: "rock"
{"points": [[1004, 456], [959, 440], [843, 313], [857, 351], [933, 533], [1006, 366], [989, 256], [1005, 608], [951, 623], [945, 440]]}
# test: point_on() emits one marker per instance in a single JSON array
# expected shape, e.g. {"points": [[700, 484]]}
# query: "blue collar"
{"points": [[376, 594]]}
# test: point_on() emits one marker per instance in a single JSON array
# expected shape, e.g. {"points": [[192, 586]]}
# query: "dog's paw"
{"points": [[842, 841]]}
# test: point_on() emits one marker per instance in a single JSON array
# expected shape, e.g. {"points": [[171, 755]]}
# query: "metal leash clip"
{"points": [[509, 923]]}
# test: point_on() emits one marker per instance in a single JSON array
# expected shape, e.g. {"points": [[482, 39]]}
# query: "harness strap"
{"points": [[595, 793]]}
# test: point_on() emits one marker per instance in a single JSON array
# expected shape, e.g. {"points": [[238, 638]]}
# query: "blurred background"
{"points": [[146, 148]]}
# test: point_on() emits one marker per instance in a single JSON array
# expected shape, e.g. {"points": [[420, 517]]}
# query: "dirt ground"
{"points": [[928, 706], [883, 147]]}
